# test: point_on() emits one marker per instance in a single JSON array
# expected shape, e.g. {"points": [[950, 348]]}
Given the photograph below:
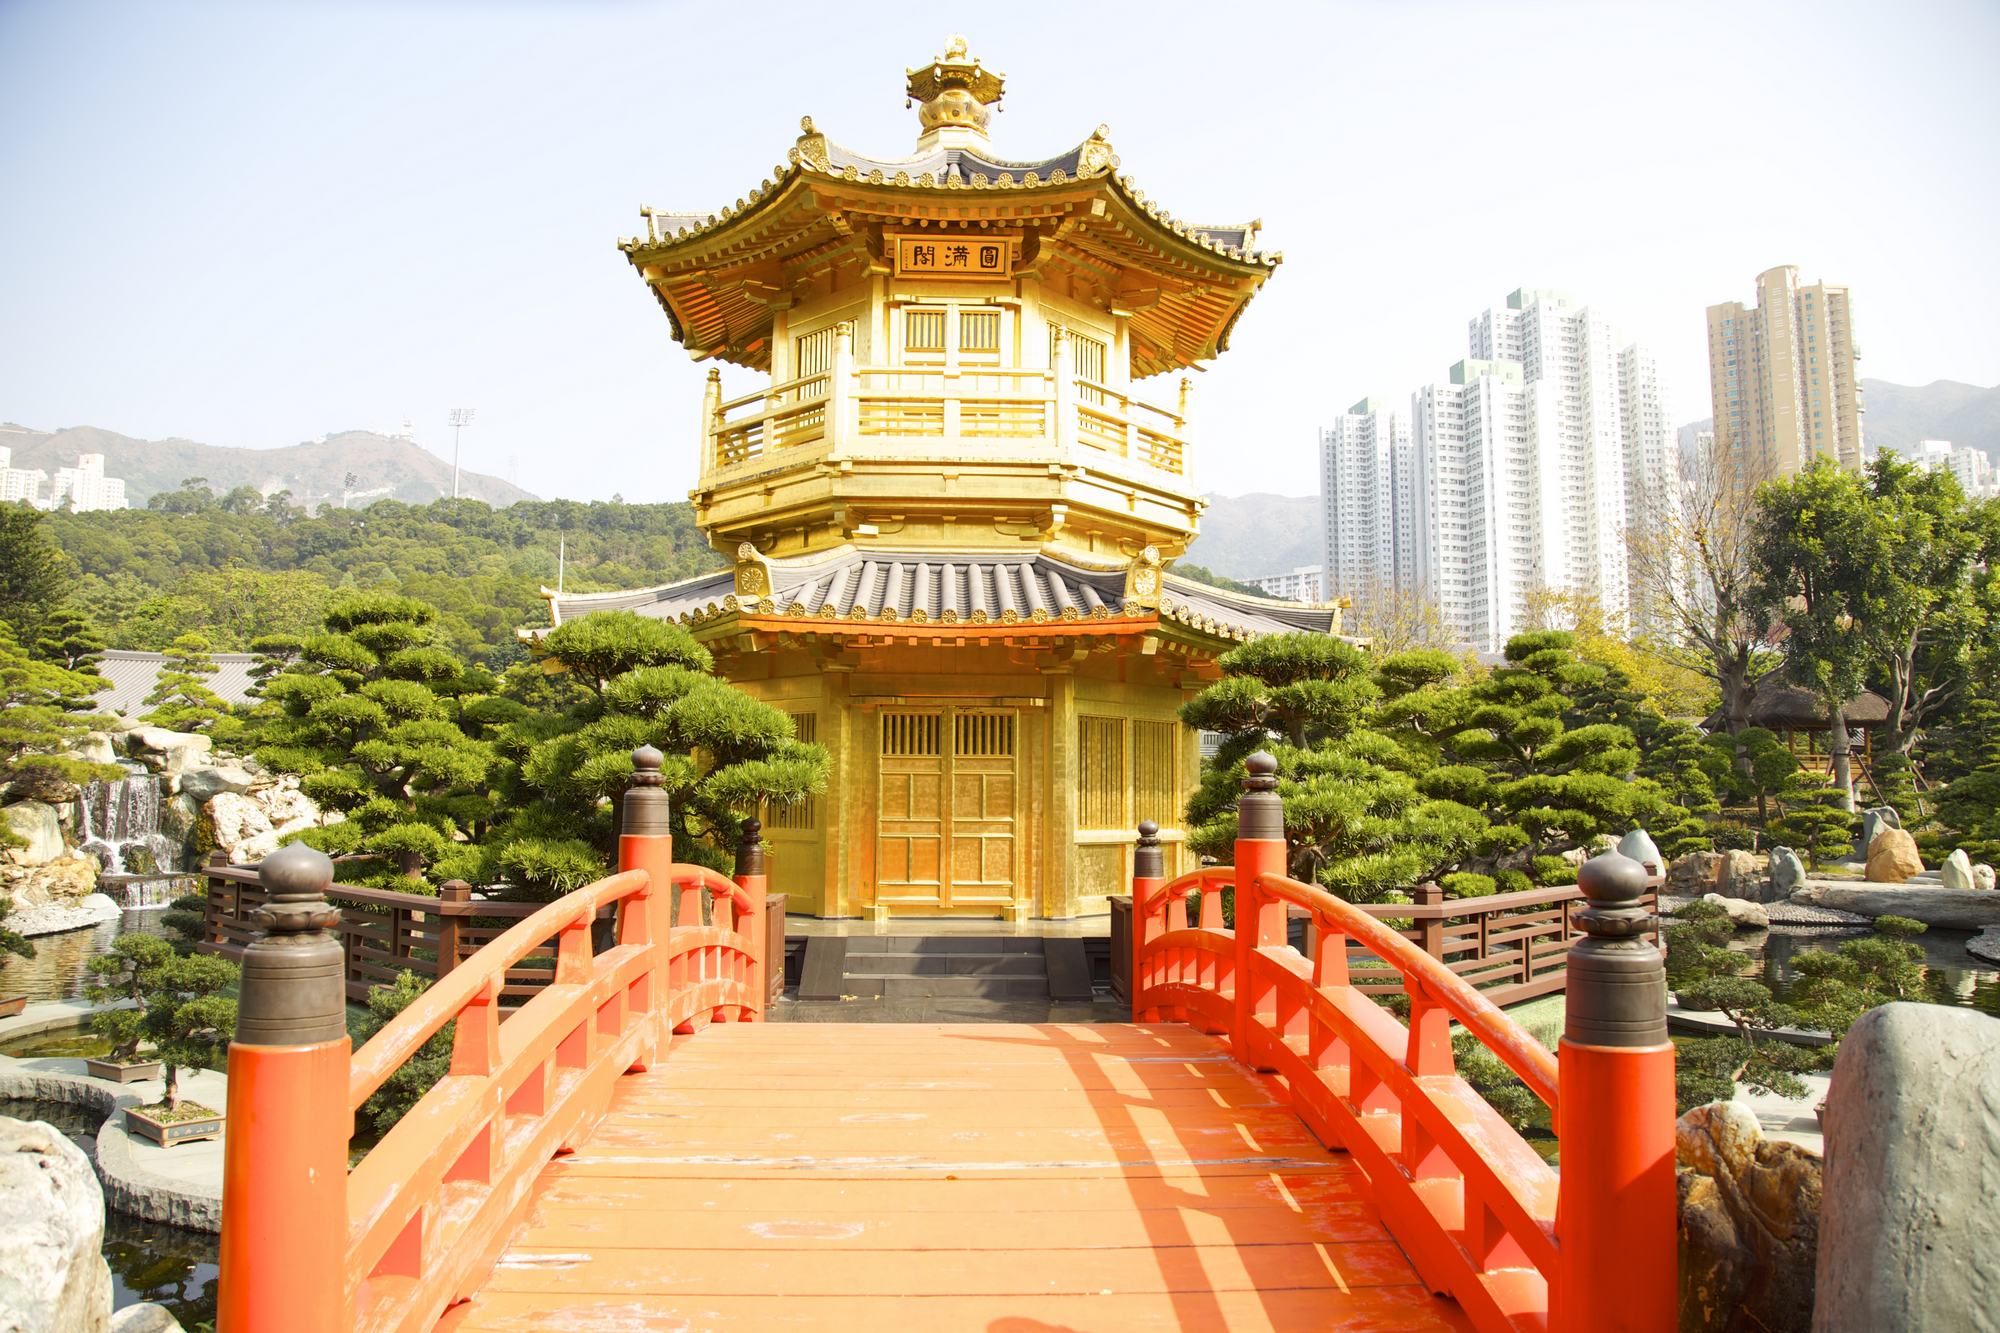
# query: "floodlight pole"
{"points": [[461, 417]]}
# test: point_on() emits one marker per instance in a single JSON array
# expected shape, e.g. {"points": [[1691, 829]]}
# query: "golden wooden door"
{"points": [[909, 806], [947, 789], [984, 790]]}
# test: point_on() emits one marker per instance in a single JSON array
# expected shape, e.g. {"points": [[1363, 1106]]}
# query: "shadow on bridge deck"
{"points": [[940, 1177]]}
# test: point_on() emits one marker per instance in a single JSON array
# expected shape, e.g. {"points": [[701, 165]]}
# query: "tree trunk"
{"points": [[1843, 768]]}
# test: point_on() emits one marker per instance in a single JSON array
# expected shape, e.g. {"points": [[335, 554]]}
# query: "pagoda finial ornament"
{"points": [[955, 97]]}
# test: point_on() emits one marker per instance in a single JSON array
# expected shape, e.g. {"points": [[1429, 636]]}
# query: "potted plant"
{"points": [[119, 976], [185, 1015]]}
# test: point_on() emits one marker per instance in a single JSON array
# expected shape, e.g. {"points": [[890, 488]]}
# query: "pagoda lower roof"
{"points": [[949, 588]]}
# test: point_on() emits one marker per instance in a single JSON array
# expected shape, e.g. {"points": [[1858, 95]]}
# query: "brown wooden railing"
{"points": [[383, 932], [1510, 946]]}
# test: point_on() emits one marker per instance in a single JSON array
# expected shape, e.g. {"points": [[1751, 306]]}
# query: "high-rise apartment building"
{"points": [[19, 483], [1783, 378], [1303, 583], [85, 488], [1368, 484]]}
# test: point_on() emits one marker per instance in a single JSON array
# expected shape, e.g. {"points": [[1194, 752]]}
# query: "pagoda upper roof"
{"points": [[822, 214]]}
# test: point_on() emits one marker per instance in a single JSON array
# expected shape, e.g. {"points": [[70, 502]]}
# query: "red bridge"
{"points": [[1265, 1146]]}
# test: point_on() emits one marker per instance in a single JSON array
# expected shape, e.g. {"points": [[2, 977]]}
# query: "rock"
{"points": [[1749, 1223], [1747, 915], [1986, 944], [96, 748], [60, 882], [52, 1271], [71, 914], [169, 753], [250, 825], [1873, 820], [1743, 877], [38, 825], [1982, 877], [1787, 872], [1910, 1238], [1956, 872], [199, 784], [1954, 909], [1695, 873], [1892, 857], [179, 816], [144, 1317]]}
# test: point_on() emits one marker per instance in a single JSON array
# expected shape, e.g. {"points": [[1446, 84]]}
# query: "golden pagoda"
{"points": [[949, 513]]}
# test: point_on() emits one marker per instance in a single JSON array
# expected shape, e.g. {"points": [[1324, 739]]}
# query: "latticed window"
{"points": [[1101, 770], [979, 331], [1153, 787], [983, 735], [1086, 361], [812, 353], [923, 329], [910, 735], [803, 813]]}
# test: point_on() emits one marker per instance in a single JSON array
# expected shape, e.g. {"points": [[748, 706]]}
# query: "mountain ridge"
{"points": [[314, 471]]}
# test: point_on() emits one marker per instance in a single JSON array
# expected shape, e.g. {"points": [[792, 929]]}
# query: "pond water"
{"points": [[60, 967], [1952, 975], [149, 1261]]}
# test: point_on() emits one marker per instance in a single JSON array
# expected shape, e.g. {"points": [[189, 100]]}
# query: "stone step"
{"points": [[956, 987], [946, 964], [863, 945]]}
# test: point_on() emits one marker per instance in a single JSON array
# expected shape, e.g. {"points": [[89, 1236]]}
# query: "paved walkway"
{"points": [[1002, 1177]]}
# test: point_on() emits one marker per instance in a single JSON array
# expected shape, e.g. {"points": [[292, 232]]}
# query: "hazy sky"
{"points": [[253, 225]]}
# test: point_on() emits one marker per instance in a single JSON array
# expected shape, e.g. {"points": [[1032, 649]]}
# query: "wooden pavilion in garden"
{"points": [[949, 514]]}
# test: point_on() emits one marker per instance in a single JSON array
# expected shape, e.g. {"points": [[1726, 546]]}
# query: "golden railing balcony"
{"points": [[896, 410]]}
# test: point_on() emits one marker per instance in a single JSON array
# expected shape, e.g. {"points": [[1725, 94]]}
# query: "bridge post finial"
{"points": [[645, 812], [750, 849], [1148, 858], [284, 1173], [1260, 917], [1616, 1209]]}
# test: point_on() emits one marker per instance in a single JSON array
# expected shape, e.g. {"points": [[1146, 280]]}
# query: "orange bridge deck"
{"points": [[979, 1176]]}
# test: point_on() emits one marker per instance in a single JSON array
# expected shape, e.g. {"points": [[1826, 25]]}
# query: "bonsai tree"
{"points": [[182, 1008], [1816, 821]]}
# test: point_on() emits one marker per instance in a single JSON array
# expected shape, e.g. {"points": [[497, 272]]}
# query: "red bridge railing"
{"points": [[308, 1245], [1482, 1216]]}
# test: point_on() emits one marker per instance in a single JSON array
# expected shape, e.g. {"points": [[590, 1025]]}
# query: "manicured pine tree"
{"points": [[42, 714], [1355, 818], [69, 639], [637, 681], [1815, 823], [181, 697]]}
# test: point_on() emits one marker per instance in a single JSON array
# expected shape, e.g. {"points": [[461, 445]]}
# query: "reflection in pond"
{"points": [[60, 967], [149, 1261], [1952, 973]]}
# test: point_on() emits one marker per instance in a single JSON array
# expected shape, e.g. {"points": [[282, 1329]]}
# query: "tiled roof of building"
{"points": [[951, 588], [133, 674]]}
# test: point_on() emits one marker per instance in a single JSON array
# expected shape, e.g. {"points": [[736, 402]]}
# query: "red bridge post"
{"points": [[1149, 922], [284, 1166], [646, 842], [1260, 917], [1616, 1203]]}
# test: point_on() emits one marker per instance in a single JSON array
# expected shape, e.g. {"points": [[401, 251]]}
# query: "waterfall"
{"points": [[118, 823]]}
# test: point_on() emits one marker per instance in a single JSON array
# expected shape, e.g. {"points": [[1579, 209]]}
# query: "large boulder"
{"points": [[1910, 1236], [199, 784], [1954, 909], [96, 748], [1743, 877], [249, 826], [1956, 872], [179, 816], [1982, 876], [169, 753], [52, 1271], [1694, 874], [1749, 1223], [1892, 857], [1787, 872], [64, 880], [1743, 914], [38, 825]]}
